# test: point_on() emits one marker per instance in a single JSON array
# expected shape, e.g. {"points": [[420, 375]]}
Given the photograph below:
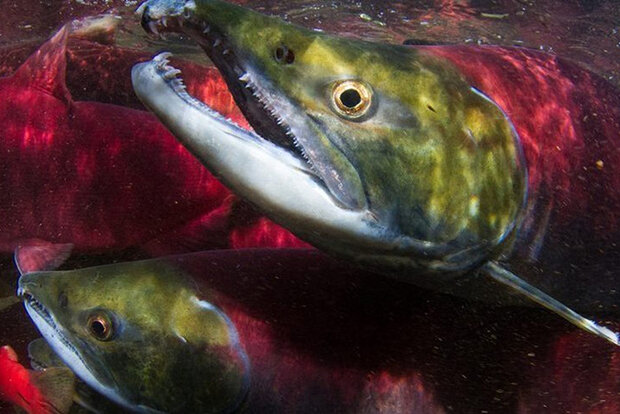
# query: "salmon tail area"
{"points": [[506, 278]]}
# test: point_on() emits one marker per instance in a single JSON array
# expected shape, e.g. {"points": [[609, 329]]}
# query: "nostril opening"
{"points": [[285, 55], [279, 53], [290, 57]]}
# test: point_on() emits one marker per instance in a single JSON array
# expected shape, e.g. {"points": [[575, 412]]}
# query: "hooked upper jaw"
{"points": [[269, 175], [271, 167], [273, 115]]}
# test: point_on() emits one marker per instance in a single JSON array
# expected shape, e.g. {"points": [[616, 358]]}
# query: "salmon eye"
{"points": [[351, 99], [100, 326]]}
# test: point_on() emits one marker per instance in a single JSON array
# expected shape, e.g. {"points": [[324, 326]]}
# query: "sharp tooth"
{"points": [[153, 27], [162, 60], [226, 51], [245, 77], [171, 73], [217, 43], [164, 21], [207, 29]]}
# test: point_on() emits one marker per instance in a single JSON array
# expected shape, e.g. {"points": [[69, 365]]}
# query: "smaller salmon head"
{"points": [[138, 334]]}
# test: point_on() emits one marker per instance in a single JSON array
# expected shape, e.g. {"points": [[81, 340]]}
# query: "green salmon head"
{"points": [[138, 334], [381, 153]]}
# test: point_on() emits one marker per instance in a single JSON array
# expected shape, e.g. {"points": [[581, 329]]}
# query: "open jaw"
{"points": [[279, 167], [265, 108], [292, 167]]}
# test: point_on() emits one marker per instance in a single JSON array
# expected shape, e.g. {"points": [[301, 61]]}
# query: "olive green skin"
{"points": [[437, 165], [167, 352]]}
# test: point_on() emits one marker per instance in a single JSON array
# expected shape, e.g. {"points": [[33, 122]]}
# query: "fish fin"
{"points": [[57, 384], [507, 278], [37, 255], [7, 302], [42, 356], [46, 68]]}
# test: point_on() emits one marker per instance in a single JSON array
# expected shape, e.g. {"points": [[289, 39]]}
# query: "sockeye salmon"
{"points": [[459, 169]]}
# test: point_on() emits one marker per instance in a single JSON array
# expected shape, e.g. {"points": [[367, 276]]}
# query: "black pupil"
{"points": [[98, 328], [350, 98]]}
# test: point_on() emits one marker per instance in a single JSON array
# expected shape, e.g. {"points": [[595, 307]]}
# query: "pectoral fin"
{"points": [[499, 274]]}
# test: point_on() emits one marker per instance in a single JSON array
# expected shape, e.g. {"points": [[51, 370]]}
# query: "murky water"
{"points": [[455, 355]]}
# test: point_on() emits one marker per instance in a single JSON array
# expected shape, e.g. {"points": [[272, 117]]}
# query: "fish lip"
{"points": [[30, 302], [171, 76], [273, 116]]}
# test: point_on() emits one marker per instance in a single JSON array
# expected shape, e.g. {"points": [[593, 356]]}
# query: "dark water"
{"points": [[469, 357], [587, 31]]}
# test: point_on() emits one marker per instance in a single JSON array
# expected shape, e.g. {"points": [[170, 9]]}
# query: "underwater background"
{"points": [[470, 357]]}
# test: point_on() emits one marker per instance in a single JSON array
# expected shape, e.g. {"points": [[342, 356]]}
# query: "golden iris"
{"points": [[351, 98]]}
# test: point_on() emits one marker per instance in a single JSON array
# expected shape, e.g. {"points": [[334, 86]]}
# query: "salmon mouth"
{"points": [[45, 322], [58, 337], [267, 110], [275, 116], [33, 304]]}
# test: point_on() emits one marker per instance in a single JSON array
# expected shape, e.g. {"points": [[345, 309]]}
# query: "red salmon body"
{"points": [[16, 385], [108, 177]]}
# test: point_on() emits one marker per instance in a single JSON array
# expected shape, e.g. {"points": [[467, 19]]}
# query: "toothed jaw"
{"points": [[165, 15], [264, 109], [277, 181]]}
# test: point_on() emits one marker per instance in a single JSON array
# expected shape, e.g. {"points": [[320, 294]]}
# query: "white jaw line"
{"points": [[269, 176]]}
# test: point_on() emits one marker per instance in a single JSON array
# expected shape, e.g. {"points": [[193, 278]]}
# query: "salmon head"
{"points": [[138, 334], [379, 153]]}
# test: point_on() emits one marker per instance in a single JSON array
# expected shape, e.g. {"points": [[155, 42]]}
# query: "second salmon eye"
{"points": [[100, 326]]}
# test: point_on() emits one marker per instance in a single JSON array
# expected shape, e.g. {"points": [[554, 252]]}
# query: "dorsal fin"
{"points": [[37, 255], [46, 68]]}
